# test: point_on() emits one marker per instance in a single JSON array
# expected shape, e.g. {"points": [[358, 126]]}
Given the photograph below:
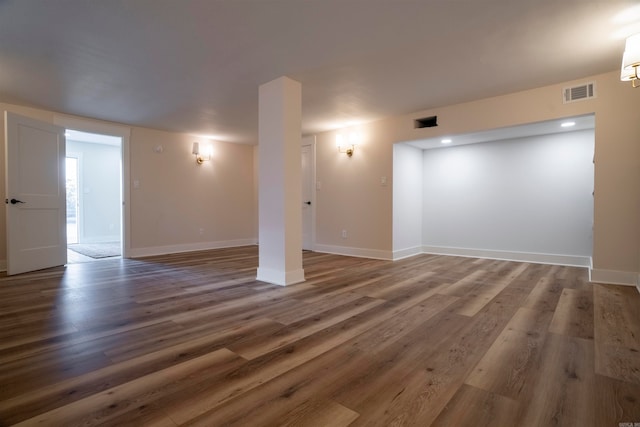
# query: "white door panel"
{"points": [[35, 194], [307, 196]]}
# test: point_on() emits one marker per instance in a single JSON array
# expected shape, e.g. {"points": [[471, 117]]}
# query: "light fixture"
{"points": [[631, 61], [202, 155], [446, 141], [349, 146], [567, 124]]}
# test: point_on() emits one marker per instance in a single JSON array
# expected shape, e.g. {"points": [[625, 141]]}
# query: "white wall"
{"points": [[530, 195], [407, 200], [99, 194], [178, 205]]}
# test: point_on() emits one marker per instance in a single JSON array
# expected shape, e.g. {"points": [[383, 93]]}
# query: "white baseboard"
{"points": [[613, 277], [568, 260], [355, 252], [189, 247], [536, 258], [406, 253], [281, 278]]}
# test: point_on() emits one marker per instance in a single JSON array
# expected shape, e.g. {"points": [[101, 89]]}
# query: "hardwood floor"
{"points": [[194, 339]]}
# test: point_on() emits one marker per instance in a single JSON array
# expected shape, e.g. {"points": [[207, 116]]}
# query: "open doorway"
{"points": [[94, 196]]}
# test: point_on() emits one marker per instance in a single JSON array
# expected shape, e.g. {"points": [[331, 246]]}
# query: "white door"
{"points": [[35, 194], [307, 197]]}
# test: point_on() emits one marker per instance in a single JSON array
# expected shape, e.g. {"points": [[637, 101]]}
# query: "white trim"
{"points": [[536, 258], [91, 125], [406, 253], [281, 278], [188, 247], [614, 277], [356, 252]]}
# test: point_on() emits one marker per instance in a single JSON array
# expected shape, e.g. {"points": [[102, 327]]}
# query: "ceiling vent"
{"points": [[579, 93], [425, 122]]}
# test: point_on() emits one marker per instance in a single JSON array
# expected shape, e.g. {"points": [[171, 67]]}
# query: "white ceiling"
{"points": [[92, 138], [532, 129], [194, 66]]}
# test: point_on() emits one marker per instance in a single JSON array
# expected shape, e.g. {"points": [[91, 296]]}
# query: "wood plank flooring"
{"points": [[194, 339]]}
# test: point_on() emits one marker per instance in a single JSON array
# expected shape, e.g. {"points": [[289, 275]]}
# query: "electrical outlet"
{"points": [[344, 234], [201, 231]]}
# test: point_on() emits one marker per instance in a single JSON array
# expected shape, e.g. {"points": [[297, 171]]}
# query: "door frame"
{"points": [[310, 141], [124, 133]]}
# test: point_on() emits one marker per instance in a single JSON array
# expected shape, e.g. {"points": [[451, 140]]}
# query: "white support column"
{"points": [[279, 190]]}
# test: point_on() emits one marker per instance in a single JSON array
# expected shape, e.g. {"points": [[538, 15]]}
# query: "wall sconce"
{"points": [[631, 61], [345, 146], [202, 155]]}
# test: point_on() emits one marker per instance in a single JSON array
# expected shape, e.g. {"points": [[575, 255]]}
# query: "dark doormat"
{"points": [[97, 250]]}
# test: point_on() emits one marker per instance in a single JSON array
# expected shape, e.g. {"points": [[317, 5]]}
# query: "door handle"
{"points": [[308, 203], [15, 201]]}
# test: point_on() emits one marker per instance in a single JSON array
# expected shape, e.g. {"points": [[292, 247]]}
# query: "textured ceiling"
{"points": [[194, 66]]}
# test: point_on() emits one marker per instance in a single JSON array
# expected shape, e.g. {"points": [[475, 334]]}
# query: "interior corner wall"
{"points": [[526, 198], [407, 200]]}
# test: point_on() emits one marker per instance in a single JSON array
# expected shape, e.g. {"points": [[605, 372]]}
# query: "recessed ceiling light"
{"points": [[446, 141], [568, 124]]}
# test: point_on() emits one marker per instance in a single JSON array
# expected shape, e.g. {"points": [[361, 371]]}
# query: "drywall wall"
{"points": [[354, 198], [407, 200], [528, 195], [99, 198], [354, 194], [178, 205]]}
